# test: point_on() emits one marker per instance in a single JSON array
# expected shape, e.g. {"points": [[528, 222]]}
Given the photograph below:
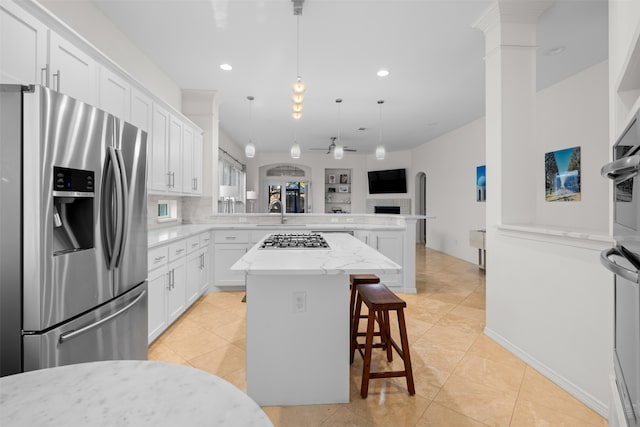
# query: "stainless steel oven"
{"points": [[624, 261]]}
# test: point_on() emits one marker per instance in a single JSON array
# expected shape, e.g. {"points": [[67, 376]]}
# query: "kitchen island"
{"points": [[298, 319]]}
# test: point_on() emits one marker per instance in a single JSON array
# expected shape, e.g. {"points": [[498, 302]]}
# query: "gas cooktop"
{"points": [[295, 241]]}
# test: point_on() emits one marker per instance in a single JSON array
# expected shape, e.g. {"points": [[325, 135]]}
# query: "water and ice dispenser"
{"points": [[73, 221]]}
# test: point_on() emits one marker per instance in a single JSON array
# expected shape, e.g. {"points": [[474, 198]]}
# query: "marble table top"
{"points": [[347, 255], [125, 393]]}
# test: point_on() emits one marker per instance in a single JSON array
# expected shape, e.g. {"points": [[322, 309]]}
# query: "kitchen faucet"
{"points": [[279, 203]]}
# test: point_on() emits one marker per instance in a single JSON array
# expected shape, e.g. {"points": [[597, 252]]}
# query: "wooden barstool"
{"points": [[380, 300], [355, 280]]}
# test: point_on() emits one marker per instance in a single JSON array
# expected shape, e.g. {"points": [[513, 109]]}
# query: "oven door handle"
{"points": [[619, 270], [622, 169]]}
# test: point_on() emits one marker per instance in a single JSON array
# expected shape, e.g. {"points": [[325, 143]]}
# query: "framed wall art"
{"points": [[562, 175]]}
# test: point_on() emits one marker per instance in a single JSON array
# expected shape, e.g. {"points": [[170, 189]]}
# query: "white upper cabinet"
{"points": [[23, 46], [198, 156], [141, 112], [175, 154], [73, 72], [158, 177], [115, 94], [187, 159]]}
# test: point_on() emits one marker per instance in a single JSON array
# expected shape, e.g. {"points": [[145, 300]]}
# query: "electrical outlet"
{"points": [[299, 302]]}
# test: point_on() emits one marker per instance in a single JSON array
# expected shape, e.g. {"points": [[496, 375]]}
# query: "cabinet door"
{"points": [[187, 159], [157, 151], [389, 244], [73, 72], [141, 112], [175, 154], [198, 155], [115, 94], [363, 236], [23, 46], [225, 256], [205, 271], [194, 276], [158, 289], [177, 296]]}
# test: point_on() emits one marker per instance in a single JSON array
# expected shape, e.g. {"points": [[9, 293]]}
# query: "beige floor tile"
{"points": [[496, 375], [440, 416], [221, 361], [531, 414], [191, 347], [487, 348], [298, 416], [234, 331], [452, 337], [159, 352], [183, 329], [477, 401], [237, 378], [543, 392]]}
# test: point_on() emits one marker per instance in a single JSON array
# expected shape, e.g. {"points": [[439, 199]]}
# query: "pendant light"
{"points": [[250, 149], [338, 151], [298, 87], [295, 148], [380, 151]]}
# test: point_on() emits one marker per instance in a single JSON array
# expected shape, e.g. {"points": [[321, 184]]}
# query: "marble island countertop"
{"points": [[126, 392], [347, 255], [160, 236]]}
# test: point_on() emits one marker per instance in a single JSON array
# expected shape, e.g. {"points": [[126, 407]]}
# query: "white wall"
{"points": [[359, 163], [450, 162], [573, 113], [88, 21]]}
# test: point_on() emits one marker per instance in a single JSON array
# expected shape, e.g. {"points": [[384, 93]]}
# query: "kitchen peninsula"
{"points": [[298, 318]]}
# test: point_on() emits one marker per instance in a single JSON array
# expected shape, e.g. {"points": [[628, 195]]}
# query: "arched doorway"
{"points": [[287, 183], [421, 207]]}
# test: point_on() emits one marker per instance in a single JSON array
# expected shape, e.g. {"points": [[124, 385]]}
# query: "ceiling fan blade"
{"points": [[350, 149]]}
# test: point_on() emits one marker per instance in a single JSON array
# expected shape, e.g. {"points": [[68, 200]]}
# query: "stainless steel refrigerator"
{"points": [[73, 236]]}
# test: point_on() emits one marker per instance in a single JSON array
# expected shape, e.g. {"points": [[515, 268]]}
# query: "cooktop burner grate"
{"points": [[295, 241]]}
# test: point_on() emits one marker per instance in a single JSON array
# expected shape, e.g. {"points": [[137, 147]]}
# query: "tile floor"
{"points": [[462, 378]]}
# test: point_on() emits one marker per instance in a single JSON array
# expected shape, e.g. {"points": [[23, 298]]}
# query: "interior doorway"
{"points": [[421, 207]]}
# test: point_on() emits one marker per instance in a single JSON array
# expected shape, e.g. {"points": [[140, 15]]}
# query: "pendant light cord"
{"points": [[298, 46]]}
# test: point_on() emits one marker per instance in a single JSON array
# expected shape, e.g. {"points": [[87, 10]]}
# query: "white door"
{"points": [[187, 159], [23, 47], [141, 112], [114, 95], [73, 72], [198, 155], [157, 151], [157, 302], [177, 296], [175, 154]]}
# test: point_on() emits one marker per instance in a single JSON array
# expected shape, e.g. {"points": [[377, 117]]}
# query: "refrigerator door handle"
{"points": [[72, 334], [117, 244], [124, 207], [622, 169], [630, 275]]}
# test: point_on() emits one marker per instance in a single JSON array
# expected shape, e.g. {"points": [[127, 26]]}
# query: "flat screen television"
{"points": [[387, 181]]}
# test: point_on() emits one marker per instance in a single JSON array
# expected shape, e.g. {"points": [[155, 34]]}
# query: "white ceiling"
{"points": [[435, 60]]}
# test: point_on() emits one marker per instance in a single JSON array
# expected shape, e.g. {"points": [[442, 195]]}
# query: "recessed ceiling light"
{"points": [[226, 67], [383, 73], [557, 50]]}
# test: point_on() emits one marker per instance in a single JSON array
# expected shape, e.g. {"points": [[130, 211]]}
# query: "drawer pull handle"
{"points": [[179, 250], [230, 237], [158, 259]]}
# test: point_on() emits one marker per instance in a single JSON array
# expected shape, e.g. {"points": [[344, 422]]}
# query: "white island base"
{"points": [[298, 319], [298, 339]]}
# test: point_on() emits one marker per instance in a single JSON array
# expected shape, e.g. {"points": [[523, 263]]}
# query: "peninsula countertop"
{"points": [[347, 255], [125, 392]]}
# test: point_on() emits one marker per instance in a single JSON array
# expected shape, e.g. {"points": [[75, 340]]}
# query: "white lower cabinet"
{"points": [[230, 246], [157, 301], [178, 275], [389, 244]]}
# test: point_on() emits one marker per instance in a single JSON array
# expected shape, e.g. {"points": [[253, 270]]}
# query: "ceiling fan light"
{"points": [[297, 98], [299, 87], [295, 151], [380, 152], [296, 115], [338, 152], [250, 150], [297, 108]]}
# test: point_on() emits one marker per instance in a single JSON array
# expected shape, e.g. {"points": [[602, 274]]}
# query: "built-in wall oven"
{"points": [[624, 261]]}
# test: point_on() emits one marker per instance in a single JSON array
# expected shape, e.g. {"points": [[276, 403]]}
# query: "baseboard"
{"points": [[577, 392]]}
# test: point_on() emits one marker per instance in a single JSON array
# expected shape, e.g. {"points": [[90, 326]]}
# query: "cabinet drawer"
{"points": [[204, 239], [193, 243], [157, 257], [232, 236], [177, 250]]}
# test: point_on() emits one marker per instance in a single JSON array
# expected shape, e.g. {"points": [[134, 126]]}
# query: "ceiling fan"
{"points": [[332, 146]]}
